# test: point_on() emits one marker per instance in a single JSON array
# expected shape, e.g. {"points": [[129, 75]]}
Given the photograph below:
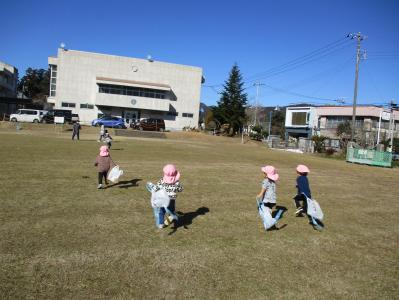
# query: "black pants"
{"points": [[269, 205], [75, 134], [100, 177], [301, 198]]}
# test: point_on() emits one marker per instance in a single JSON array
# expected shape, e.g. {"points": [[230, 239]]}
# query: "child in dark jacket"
{"points": [[103, 163], [303, 190]]}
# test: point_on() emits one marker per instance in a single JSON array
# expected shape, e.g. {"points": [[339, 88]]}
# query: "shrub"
{"points": [[330, 151], [318, 143]]}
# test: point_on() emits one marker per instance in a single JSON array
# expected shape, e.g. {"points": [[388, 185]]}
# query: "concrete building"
{"points": [[92, 85], [300, 121], [8, 80], [372, 122]]}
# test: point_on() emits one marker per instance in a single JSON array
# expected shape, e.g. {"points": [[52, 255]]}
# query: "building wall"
{"points": [[320, 122], [367, 116], [8, 80], [304, 130], [78, 74]]}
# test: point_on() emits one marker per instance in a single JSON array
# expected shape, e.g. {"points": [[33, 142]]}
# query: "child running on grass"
{"points": [[107, 139], [303, 189], [103, 163], [266, 199], [170, 182], [268, 192]]}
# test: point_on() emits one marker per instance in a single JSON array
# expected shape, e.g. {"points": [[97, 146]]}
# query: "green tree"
{"points": [[278, 123], [35, 84], [318, 143], [231, 106], [344, 131]]}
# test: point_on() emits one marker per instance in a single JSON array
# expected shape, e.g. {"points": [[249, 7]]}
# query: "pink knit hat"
{"points": [[302, 169], [170, 174], [104, 151], [271, 172]]}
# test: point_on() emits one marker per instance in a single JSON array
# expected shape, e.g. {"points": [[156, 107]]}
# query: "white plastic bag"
{"points": [[266, 216], [160, 198], [314, 209], [114, 174]]}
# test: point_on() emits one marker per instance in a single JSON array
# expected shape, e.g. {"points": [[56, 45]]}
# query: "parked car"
{"points": [[150, 124], [109, 121], [28, 115], [66, 113]]}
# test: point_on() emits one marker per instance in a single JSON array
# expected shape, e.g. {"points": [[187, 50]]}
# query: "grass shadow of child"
{"points": [[274, 213], [186, 219], [125, 184]]}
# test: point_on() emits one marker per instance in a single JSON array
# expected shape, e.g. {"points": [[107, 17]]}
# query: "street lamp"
{"points": [[277, 108]]}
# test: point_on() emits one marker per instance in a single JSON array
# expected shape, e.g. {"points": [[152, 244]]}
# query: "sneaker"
{"points": [[168, 220], [100, 186], [160, 226]]}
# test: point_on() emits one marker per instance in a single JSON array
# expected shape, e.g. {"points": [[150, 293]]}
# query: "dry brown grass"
{"points": [[62, 238]]}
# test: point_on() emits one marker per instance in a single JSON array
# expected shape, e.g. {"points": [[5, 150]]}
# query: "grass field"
{"points": [[63, 238]]}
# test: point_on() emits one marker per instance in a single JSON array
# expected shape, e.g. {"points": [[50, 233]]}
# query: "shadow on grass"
{"points": [[318, 222], [186, 219], [278, 207], [125, 184], [274, 213]]}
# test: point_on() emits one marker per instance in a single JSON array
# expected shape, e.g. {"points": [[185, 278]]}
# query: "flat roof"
{"points": [[152, 60]]}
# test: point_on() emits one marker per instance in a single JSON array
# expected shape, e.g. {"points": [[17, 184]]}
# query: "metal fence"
{"points": [[369, 157]]}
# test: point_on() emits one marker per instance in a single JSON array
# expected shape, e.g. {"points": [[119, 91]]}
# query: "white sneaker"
{"points": [[100, 186], [160, 226]]}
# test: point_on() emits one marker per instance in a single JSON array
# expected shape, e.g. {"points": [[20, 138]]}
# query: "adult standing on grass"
{"points": [[102, 131], [75, 130]]}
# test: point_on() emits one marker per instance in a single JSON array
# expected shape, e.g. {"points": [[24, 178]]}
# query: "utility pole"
{"points": [[359, 37], [257, 84], [392, 124]]}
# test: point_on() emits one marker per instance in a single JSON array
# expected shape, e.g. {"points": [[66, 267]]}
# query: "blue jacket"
{"points": [[302, 185]]}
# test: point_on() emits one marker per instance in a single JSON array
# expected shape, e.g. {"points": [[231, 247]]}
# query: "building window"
{"points": [[359, 123], [68, 104], [53, 80], [299, 118], [332, 122], [131, 91], [187, 115], [172, 113], [87, 106]]}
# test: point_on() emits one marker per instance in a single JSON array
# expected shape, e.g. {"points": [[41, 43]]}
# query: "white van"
{"points": [[28, 115]]}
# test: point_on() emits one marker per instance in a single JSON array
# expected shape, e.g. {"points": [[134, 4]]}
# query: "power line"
{"points": [[297, 94], [300, 58], [310, 57]]}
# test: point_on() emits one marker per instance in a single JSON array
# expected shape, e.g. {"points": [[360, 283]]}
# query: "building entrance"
{"points": [[131, 116]]}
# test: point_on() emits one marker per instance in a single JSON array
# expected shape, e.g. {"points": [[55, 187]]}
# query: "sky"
{"points": [[297, 51]]}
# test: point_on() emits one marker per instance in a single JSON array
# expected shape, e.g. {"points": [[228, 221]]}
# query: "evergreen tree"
{"points": [[231, 106], [35, 84]]}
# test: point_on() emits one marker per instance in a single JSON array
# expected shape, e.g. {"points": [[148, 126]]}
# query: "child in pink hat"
{"points": [[170, 182], [103, 163], [303, 189], [267, 194]]}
